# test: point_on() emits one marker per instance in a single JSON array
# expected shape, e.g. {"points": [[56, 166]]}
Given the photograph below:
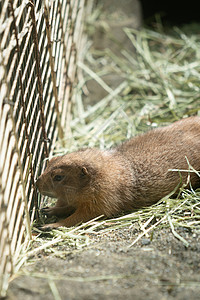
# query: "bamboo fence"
{"points": [[40, 43]]}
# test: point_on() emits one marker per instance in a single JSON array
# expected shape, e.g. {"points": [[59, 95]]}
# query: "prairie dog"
{"points": [[135, 174]]}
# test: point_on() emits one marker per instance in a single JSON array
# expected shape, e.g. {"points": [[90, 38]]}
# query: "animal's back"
{"points": [[154, 154]]}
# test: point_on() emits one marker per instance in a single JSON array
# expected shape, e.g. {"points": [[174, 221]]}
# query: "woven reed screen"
{"points": [[40, 41]]}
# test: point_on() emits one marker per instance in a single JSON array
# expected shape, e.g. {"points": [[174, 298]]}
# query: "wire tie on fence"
{"points": [[49, 45], [57, 40], [48, 140], [30, 4], [7, 101]]}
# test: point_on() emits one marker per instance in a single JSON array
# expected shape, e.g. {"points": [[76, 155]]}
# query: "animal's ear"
{"points": [[84, 171]]}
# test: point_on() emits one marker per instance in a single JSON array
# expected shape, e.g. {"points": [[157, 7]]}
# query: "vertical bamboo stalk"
{"points": [[28, 227], [53, 74], [22, 100], [5, 274], [24, 111], [40, 89], [66, 66]]}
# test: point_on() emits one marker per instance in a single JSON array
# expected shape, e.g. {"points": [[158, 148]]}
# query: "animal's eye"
{"points": [[58, 177], [84, 171]]}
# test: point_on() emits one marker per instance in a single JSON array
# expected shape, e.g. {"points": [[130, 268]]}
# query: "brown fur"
{"points": [[135, 174]]}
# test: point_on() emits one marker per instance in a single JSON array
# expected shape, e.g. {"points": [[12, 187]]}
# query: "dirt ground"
{"points": [[107, 269]]}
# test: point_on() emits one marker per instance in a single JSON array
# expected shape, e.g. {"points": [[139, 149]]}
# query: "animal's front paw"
{"points": [[48, 227], [48, 211], [44, 228]]}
